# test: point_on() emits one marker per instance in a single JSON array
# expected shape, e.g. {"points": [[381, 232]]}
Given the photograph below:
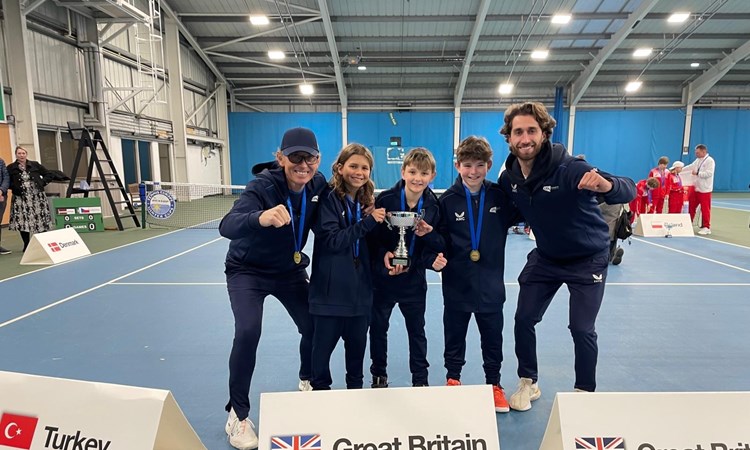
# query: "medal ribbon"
{"points": [[303, 209], [475, 232], [358, 218], [404, 208]]}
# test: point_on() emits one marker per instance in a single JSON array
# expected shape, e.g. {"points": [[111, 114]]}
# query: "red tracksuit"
{"points": [[659, 193], [676, 193], [643, 201]]}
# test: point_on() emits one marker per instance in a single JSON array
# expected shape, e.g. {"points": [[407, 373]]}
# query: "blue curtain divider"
{"points": [[623, 142]]}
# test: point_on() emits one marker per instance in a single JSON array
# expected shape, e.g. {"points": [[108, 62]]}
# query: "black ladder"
{"points": [[93, 141]]}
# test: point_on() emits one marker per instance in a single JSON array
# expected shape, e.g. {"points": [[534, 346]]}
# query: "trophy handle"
{"points": [[420, 216], [388, 222]]}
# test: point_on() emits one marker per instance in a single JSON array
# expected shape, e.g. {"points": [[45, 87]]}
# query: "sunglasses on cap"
{"points": [[298, 157]]}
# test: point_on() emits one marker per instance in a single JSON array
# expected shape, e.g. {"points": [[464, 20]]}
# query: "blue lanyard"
{"points": [[349, 218], [303, 209], [476, 233], [403, 208], [662, 176]]}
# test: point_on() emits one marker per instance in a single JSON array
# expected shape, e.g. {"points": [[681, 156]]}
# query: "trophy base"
{"points": [[400, 261]]}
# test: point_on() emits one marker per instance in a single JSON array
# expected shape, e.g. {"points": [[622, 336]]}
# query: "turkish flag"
{"points": [[17, 431]]}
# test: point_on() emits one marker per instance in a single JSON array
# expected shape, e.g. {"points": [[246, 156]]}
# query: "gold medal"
{"points": [[474, 255], [297, 257]]}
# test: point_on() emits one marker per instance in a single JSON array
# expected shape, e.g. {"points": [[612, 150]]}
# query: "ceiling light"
{"points": [[539, 54], [561, 18], [505, 88], [678, 17], [695, 64], [306, 89], [361, 67], [259, 19], [642, 52], [276, 54], [633, 86]]}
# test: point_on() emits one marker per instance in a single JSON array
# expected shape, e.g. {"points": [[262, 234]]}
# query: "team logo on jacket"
{"points": [[514, 188], [314, 199], [460, 217], [493, 209], [550, 188], [597, 278]]}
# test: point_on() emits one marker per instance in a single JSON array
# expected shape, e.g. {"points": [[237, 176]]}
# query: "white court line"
{"points": [[654, 284], [66, 299], [167, 284], [730, 209], [88, 256], [694, 255]]}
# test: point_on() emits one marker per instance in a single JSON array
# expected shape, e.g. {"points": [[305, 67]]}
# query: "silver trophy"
{"points": [[402, 220]]}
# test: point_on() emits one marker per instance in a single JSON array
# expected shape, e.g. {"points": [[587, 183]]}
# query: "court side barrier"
{"points": [[664, 225], [39, 413], [54, 247], [649, 421], [420, 418]]}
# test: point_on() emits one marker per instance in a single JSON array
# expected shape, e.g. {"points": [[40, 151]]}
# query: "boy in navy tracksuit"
{"points": [[340, 284], [474, 219], [407, 287], [268, 227], [557, 194]]}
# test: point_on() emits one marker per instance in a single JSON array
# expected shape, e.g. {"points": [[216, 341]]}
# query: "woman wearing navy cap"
{"points": [[268, 227]]}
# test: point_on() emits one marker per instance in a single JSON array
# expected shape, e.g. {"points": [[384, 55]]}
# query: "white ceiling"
{"points": [[416, 51]]}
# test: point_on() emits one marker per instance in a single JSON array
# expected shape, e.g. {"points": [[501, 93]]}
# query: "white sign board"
{"points": [[54, 247], [649, 421], [39, 413], [422, 418], [661, 225]]}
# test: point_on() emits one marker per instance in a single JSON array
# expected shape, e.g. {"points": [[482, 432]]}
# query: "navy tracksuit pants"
{"points": [[247, 294], [455, 327], [413, 312], [328, 331], [539, 281]]}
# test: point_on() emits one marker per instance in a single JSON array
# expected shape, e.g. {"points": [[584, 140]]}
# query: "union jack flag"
{"points": [[600, 443], [301, 442]]}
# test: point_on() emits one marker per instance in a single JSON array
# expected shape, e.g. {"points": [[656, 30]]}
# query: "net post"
{"points": [[142, 194]]}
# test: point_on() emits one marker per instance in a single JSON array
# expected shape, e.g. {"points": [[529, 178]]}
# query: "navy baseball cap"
{"points": [[299, 140]]}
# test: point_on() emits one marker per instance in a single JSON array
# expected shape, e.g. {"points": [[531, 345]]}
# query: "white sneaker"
{"points": [[527, 392], [304, 385], [704, 231], [241, 433]]}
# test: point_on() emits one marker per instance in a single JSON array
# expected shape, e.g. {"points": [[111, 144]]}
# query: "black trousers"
{"points": [[2, 211], [455, 327], [328, 331], [413, 312], [539, 281], [247, 294]]}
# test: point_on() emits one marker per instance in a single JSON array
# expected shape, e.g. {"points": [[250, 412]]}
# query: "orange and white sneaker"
{"points": [[452, 382], [501, 404]]}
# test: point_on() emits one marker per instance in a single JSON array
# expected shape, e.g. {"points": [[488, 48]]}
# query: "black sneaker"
{"points": [[618, 256], [5, 251], [379, 382]]}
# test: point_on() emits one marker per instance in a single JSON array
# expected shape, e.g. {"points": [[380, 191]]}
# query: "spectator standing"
{"points": [[703, 169], [29, 209]]}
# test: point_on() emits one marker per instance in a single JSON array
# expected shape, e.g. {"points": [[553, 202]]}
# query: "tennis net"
{"points": [[188, 205]]}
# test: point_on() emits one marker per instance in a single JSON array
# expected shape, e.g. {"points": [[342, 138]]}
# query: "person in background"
{"points": [[703, 169], [556, 193], [4, 185], [475, 215], [29, 209], [676, 188], [658, 195], [341, 280], [268, 227], [643, 201], [396, 285]]}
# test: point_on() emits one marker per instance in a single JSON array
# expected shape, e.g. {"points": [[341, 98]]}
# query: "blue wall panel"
{"points": [[629, 143], [486, 124], [726, 134], [433, 130], [255, 137]]}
